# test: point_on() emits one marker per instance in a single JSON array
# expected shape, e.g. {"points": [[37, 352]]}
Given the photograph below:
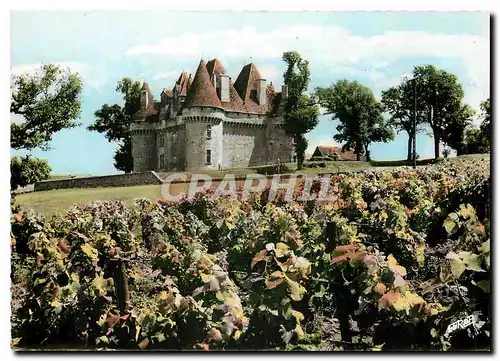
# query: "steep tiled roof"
{"points": [[214, 66], [329, 151], [202, 92], [246, 82], [182, 83], [151, 108]]}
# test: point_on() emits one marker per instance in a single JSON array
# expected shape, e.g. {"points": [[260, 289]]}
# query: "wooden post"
{"points": [[121, 286]]}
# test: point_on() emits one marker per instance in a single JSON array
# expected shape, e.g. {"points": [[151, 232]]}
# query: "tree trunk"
{"points": [[300, 149], [367, 153], [437, 137], [358, 150], [300, 161], [410, 147]]}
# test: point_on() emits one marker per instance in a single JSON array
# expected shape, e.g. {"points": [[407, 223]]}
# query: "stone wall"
{"points": [[279, 144], [244, 145], [144, 150], [117, 180]]}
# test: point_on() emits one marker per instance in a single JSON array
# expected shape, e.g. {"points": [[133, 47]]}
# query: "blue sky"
{"points": [[375, 48]]}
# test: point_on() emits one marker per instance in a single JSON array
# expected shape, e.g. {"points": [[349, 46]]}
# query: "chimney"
{"points": [[284, 91], [261, 91], [144, 99], [223, 83]]}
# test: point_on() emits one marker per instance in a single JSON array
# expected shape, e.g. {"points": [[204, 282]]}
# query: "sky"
{"points": [[375, 48]]}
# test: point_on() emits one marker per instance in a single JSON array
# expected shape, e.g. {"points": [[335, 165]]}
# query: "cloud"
{"points": [[166, 75], [336, 47], [82, 69], [272, 74]]}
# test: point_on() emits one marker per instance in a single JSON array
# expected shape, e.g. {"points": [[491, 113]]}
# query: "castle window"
{"points": [[209, 156], [162, 161], [209, 131], [294, 140], [294, 158], [162, 140]]}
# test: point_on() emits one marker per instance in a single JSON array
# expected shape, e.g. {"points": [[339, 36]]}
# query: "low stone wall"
{"points": [[117, 180]]}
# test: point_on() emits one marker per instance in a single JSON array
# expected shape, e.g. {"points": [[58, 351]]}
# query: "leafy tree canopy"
{"points": [[440, 98], [27, 170], [359, 114], [399, 102], [486, 124], [47, 101], [454, 132], [300, 112]]}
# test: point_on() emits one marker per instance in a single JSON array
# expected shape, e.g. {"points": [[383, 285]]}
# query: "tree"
{"points": [[475, 142], [486, 124], [454, 132], [478, 140], [27, 170], [440, 97], [359, 113], [114, 122], [300, 112], [46, 101], [399, 102]]}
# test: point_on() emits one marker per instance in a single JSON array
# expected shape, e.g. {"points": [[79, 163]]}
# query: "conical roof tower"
{"points": [[202, 93]]}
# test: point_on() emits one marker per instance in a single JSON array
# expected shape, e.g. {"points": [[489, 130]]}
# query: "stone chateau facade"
{"points": [[210, 121]]}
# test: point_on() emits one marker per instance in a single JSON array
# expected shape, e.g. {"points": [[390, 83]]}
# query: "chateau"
{"points": [[210, 121]]}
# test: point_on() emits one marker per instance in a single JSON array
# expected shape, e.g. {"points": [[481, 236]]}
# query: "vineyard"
{"points": [[388, 264]]}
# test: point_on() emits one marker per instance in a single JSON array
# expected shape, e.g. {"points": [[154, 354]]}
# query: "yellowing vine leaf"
{"points": [[299, 332], [450, 225], [303, 266], [395, 267], [400, 302], [261, 256], [457, 267], [275, 279], [296, 290], [214, 335], [467, 211], [380, 288], [90, 251], [102, 285], [281, 249]]}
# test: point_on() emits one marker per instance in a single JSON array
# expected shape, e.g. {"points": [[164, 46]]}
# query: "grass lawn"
{"points": [[59, 200]]}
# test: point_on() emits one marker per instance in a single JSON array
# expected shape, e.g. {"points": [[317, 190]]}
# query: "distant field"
{"points": [[54, 201]]}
